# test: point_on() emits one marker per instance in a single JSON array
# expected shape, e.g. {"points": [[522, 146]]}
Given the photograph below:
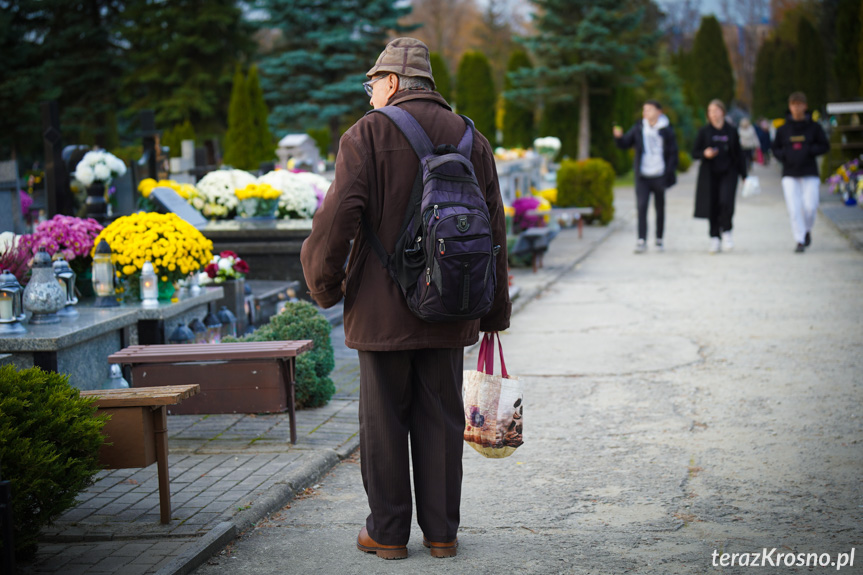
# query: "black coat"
{"points": [[797, 144], [634, 138], [729, 160]]}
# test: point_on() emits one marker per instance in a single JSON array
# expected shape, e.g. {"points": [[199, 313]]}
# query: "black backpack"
{"points": [[444, 258]]}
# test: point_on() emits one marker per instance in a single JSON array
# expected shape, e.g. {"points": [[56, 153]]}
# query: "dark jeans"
{"points": [[414, 394], [723, 188], [643, 188]]}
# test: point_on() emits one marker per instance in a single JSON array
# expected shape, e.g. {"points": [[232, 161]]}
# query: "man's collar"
{"points": [[406, 95]]}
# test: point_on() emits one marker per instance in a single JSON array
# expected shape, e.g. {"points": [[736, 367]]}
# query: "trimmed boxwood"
{"points": [[302, 320], [587, 184], [49, 448]]}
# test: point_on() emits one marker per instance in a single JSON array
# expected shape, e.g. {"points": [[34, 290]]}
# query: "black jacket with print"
{"points": [[797, 144]]}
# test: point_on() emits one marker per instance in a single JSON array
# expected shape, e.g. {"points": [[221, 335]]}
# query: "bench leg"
{"points": [[160, 429], [287, 369], [580, 227]]}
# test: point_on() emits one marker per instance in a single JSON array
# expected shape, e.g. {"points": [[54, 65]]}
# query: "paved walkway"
{"points": [[230, 471]]}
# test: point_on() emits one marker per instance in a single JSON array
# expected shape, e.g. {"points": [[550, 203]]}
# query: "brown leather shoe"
{"points": [[369, 545], [441, 549]]}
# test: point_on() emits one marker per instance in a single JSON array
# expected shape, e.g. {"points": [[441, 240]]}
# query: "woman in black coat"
{"points": [[717, 145]]}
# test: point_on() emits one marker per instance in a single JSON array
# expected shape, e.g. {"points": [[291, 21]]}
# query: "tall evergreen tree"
{"points": [[20, 85], [518, 116], [313, 75], [475, 97], [713, 77], [239, 139], [579, 42], [784, 80], [560, 119], [263, 147], [763, 86], [173, 138], [440, 71], [847, 61], [180, 56], [810, 69]]}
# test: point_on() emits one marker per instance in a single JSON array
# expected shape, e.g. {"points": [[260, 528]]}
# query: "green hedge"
{"points": [[302, 320], [587, 184], [49, 447], [684, 161]]}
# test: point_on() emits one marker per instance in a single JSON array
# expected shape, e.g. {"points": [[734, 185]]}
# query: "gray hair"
{"points": [[414, 83]]}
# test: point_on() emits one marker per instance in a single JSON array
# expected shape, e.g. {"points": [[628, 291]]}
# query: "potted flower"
{"points": [[298, 198], [71, 237], [172, 245], [258, 201], [217, 192], [229, 271], [95, 171]]}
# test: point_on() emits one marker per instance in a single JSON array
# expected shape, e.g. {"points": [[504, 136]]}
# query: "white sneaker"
{"points": [[715, 246], [727, 242], [640, 247]]}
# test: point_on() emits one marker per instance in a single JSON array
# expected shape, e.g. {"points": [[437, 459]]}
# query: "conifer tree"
{"points": [[441, 75], [848, 59], [475, 95], [262, 139], [239, 141], [713, 77], [761, 89], [783, 74], [313, 76], [811, 74], [180, 57], [518, 116], [173, 138], [579, 42]]}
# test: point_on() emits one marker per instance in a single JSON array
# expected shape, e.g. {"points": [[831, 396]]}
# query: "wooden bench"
{"points": [[137, 433], [242, 377]]}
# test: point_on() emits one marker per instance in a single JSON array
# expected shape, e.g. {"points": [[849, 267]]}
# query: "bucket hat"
{"points": [[406, 57]]}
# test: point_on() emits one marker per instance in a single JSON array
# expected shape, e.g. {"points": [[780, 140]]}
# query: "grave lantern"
{"points": [[43, 296], [229, 322], [182, 334], [11, 304], [149, 286], [66, 278], [199, 329], [103, 276], [214, 328]]}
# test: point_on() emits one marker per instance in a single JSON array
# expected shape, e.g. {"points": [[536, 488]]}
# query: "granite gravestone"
{"points": [[172, 202], [10, 201]]}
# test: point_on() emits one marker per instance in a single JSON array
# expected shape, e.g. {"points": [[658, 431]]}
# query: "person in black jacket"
{"points": [[717, 145], [796, 145], [655, 166]]}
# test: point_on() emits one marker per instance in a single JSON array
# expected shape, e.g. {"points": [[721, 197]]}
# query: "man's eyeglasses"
{"points": [[368, 85]]}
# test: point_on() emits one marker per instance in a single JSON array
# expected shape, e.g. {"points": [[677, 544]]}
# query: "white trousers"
{"points": [[801, 197]]}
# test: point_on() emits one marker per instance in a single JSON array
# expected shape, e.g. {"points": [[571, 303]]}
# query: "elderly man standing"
{"points": [[410, 370]]}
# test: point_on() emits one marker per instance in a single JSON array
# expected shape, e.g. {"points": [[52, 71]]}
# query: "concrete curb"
{"points": [[310, 470], [198, 552], [852, 239]]}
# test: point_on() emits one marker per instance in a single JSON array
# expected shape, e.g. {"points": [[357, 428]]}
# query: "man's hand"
{"points": [[618, 131], [710, 153]]}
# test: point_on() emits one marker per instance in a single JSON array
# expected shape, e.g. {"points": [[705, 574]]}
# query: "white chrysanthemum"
{"points": [[8, 240], [116, 165], [102, 172], [298, 199], [84, 174], [316, 180]]}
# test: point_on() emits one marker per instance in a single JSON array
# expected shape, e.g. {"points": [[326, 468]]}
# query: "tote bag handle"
{"points": [[485, 361]]}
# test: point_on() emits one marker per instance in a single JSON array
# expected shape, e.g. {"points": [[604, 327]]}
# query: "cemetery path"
{"points": [[678, 406]]}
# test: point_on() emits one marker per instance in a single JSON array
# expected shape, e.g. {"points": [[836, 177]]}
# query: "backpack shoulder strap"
{"points": [[466, 143], [417, 137]]}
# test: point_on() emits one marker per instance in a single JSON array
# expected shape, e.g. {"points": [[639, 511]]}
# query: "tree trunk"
{"points": [[584, 121]]}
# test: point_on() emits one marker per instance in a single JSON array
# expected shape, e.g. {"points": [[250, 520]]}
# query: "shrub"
{"points": [[684, 160], [587, 184], [49, 446], [301, 320]]}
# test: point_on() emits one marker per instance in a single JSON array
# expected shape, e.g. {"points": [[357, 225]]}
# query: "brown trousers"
{"points": [[414, 394]]}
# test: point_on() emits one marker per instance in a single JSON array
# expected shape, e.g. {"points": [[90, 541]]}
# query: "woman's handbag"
{"points": [[492, 405], [751, 187]]}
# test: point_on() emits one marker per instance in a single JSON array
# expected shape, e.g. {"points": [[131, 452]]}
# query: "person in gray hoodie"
{"points": [[655, 166]]}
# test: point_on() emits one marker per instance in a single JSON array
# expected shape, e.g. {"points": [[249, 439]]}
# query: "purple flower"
{"points": [[73, 237]]}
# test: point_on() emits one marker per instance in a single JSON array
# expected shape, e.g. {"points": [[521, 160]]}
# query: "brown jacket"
{"points": [[375, 170]]}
